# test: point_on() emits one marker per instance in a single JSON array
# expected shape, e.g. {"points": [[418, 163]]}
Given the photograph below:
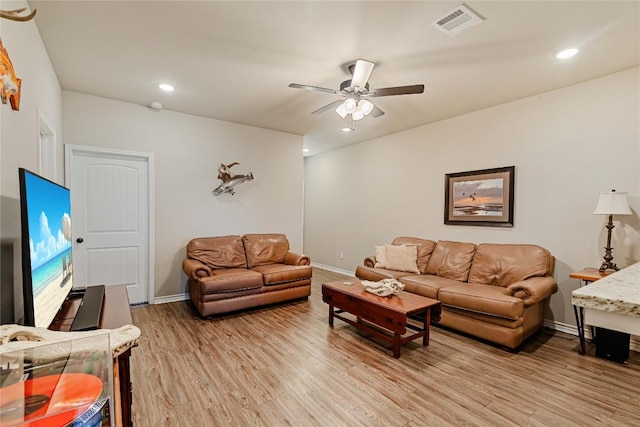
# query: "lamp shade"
{"points": [[366, 106], [612, 203], [350, 105], [357, 114], [342, 112]]}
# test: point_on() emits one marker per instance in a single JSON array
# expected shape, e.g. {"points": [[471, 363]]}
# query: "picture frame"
{"points": [[481, 197]]}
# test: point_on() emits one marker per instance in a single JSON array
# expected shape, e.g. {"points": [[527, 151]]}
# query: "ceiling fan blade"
{"points": [[314, 88], [328, 107], [361, 73], [376, 112], [398, 90]]}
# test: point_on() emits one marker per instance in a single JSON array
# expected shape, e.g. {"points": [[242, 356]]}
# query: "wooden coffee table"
{"points": [[390, 314]]}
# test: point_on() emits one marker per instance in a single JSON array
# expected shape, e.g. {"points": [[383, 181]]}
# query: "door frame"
{"points": [[47, 148], [70, 150]]}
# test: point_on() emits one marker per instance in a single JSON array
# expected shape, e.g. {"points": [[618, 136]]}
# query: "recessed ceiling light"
{"points": [[567, 53], [166, 87], [305, 150], [345, 129]]}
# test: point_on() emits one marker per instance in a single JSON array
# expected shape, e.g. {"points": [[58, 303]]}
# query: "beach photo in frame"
{"points": [[482, 197]]}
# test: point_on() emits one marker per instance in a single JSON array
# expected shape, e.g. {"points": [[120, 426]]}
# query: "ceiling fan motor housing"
{"points": [[347, 84]]}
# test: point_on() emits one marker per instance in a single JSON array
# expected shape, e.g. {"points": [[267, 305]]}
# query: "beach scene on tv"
{"points": [[483, 197], [49, 247]]}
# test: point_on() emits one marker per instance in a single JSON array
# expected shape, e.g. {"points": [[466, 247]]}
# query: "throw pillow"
{"points": [[381, 257], [402, 258]]}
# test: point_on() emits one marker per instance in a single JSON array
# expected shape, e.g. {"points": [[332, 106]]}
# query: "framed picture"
{"points": [[483, 197]]}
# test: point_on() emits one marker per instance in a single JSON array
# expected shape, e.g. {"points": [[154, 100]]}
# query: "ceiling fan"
{"points": [[357, 91]]}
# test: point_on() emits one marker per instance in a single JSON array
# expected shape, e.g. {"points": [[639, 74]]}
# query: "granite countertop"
{"points": [[619, 293]]}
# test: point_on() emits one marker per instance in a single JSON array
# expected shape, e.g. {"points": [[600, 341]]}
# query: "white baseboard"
{"points": [[171, 298], [573, 330], [333, 269], [563, 327]]}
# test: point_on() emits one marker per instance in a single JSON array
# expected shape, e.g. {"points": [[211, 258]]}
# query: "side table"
{"points": [[586, 276]]}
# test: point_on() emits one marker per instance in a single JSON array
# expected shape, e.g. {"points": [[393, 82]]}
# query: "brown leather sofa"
{"points": [[232, 272], [493, 291]]}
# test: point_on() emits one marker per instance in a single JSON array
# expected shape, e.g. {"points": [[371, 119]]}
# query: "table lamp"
{"points": [[611, 203]]}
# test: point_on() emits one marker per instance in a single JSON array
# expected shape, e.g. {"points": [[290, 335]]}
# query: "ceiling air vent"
{"points": [[458, 20]]}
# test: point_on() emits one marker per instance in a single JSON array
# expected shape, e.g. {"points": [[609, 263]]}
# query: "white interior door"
{"points": [[111, 217]]}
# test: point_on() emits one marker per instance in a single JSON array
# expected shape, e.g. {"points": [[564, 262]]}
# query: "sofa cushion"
{"points": [[486, 299], [263, 249], [274, 274], [426, 285], [381, 257], [402, 258], [229, 280], [376, 274], [425, 249], [504, 265], [451, 260], [218, 252]]}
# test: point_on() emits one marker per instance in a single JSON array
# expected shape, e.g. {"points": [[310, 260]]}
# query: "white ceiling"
{"points": [[234, 60]]}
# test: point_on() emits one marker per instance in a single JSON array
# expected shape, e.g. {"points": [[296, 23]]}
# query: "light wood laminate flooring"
{"points": [[284, 366]]}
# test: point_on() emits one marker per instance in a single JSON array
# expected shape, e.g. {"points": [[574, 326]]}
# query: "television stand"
{"points": [[116, 312], [87, 317]]}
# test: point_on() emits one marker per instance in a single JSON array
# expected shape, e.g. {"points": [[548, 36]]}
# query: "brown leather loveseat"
{"points": [[232, 272], [493, 291]]}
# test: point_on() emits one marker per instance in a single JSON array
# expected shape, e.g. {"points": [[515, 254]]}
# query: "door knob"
{"points": [[79, 240]]}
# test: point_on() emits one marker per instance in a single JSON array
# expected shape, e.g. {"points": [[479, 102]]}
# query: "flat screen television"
{"points": [[47, 258]]}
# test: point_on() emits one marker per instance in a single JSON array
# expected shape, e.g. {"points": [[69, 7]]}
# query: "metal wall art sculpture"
{"points": [[14, 15], [229, 181], [9, 83]]}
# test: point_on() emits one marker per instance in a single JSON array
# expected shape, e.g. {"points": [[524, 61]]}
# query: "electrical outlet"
{"points": [[341, 255]]}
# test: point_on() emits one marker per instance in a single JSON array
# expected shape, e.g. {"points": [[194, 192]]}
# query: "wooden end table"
{"points": [[388, 313], [588, 275]]}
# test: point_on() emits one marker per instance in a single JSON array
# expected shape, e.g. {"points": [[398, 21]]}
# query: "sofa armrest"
{"points": [[195, 269], [533, 290], [292, 258], [370, 261]]}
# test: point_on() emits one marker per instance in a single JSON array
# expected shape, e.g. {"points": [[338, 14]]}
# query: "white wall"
{"points": [[187, 152], [19, 141], [40, 95], [567, 146]]}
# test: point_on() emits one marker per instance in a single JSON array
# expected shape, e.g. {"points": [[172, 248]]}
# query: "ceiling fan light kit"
{"points": [[350, 105], [357, 115], [342, 111], [356, 90], [357, 110], [365, 106]]}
